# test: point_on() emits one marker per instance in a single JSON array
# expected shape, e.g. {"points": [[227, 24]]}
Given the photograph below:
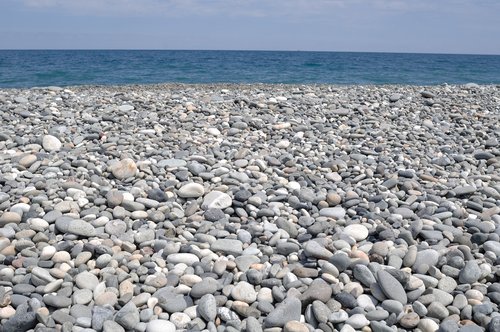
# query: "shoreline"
{"points": [[170, 85], [250, 207]]}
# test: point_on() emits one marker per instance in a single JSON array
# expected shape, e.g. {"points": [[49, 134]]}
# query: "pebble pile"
{"points": [[250, 208]]}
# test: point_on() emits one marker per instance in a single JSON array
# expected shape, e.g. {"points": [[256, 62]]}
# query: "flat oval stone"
{"points": [[191, 190], [391, 287], [357, 231]]}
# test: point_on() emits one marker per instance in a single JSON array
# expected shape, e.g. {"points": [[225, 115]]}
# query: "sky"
{"points": [[422, 26]]}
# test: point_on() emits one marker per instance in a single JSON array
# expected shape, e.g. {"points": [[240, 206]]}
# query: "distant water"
{"points": [[76, 67]]}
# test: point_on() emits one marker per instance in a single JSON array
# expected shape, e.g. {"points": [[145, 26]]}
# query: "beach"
{"points": [[234, 207]]}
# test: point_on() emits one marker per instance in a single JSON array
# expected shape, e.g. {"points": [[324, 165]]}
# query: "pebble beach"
{"points": [[294, 208]]}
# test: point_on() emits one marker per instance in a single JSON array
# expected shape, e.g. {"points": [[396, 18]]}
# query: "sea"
{"points": [[38, 68]]}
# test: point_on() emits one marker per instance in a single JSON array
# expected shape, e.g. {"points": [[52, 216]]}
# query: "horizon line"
{"points": [[240, 50]]}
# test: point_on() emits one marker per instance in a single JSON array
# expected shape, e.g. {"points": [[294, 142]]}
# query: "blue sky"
{"points": [[431, 26]]}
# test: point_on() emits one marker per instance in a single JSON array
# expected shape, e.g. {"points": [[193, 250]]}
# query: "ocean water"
{"points": [[36, 68]]}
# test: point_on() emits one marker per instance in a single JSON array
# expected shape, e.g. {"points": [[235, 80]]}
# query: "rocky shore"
{"points": [[250, 208]]}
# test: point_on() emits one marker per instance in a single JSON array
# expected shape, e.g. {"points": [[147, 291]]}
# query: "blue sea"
{"points": [[37, 68]]}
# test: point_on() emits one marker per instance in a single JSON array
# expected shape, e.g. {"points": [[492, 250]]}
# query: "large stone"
{"points": [[124, 169], [333, 212], [227, 246], [244, 292], [288, 310], [216, 200], [86, 280], [128, 316], [75, 226], [316, 250], [207, 307], [191, 190], [470, 273], [51, 143], [160, 325], [357, 231], [391, 287]]}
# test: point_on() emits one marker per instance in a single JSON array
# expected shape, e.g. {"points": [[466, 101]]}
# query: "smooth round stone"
{"points": [[409, 320], [333, 212], [333, 199], [492, 246], [186, 258], [27, 160], [75, 226], [115, 227], [191, 190], [357, 321], [357, 231], [427, 257], [38, 224], [447, 284], [180, 320], [106, 298], [47, 252], [245, 292], [437, 310], [124, 169], [114, 198], [86, 280], [7, 312], [160, 325], [51, 143], [427, 325], [82, 296], [295, 326], [126, 108], [57, 301], [61, 257], [10, 217], [338, 317], [216, 200], [393, 306]]}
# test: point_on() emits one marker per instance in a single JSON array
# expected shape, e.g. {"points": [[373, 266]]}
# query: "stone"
{"points": [[75, 226], [128, 316], [288, 310], [160, 325], [333, 212], [295, 326], [185, 258], [245, 292], [51, 143], [206, 286], [357, 321], [191, 190], [9, 217], [357, 231], [216, 200], [314, 249], [227, 246], [470, 273], [391, 287], [207, 307], [86, 280], [124, 169]]}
